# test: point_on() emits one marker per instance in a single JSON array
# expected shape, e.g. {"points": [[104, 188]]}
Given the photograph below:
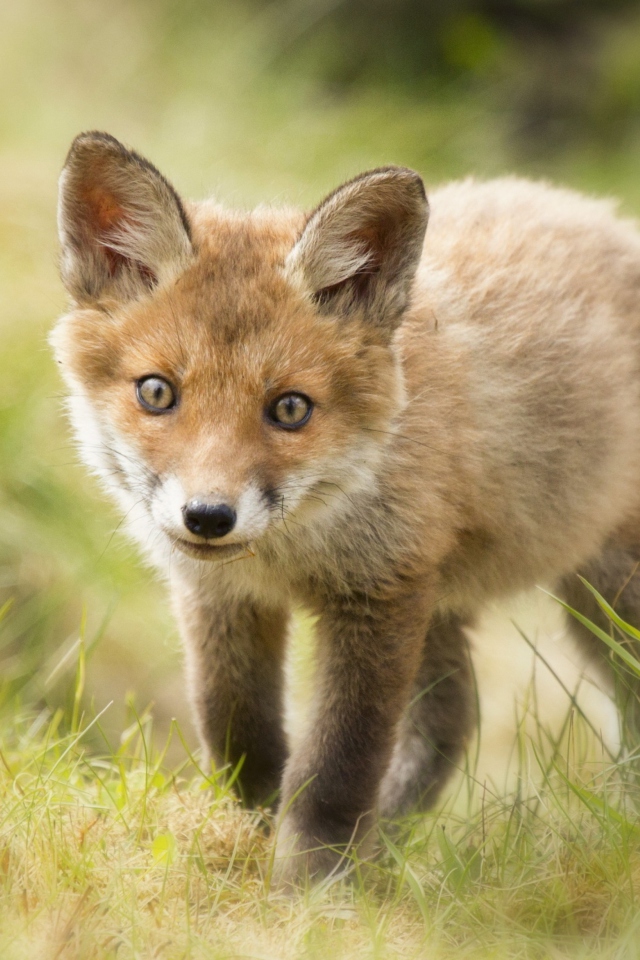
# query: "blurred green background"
{"points": [[253, 101]]}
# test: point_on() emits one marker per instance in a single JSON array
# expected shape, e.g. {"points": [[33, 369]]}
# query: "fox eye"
{"points": [[291, 410], [155, 394]]}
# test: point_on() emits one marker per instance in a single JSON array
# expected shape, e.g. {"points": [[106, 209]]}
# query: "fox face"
{"points": [[233, 377]]}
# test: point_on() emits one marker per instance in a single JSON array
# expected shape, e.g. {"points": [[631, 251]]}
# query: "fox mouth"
{"points": [[210, 551]]}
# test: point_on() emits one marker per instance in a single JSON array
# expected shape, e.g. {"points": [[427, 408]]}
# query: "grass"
{"points": [[114, 853], [112, 842], [117, 853]]}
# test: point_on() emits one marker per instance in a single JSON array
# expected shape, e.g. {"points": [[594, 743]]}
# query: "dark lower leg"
{"points": [[236, 671], [434, 731]]}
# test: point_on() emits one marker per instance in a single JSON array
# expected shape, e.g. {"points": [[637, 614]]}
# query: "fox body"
{"points": [[333, 410]]}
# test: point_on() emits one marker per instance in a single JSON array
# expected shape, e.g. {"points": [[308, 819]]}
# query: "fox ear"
{"points": [[122, 226], [360, 248]]}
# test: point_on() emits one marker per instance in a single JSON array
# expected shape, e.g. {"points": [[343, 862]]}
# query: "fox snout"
{"points": [[208, 520]]}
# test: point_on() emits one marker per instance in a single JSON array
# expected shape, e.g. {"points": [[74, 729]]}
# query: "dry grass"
{"points": [[116, 855]]}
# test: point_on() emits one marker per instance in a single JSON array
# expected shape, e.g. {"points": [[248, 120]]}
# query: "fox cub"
{"points": [[327, 409]]}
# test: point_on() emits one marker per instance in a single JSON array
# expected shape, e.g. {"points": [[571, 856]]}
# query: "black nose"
{"points": [[208, 520]]}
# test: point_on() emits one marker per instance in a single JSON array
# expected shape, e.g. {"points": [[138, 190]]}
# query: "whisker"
{"points": [[115, 530], [282, 512]]}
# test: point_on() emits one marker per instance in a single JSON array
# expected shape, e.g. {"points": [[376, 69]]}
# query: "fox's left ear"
{"points": [[359, 250], [122, 226]]}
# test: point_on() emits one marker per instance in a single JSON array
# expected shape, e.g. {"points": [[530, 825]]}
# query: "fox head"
{"points": [[231, 372]]}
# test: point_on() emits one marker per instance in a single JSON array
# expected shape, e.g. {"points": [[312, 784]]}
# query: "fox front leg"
{"points": [[235, 654], [369, 654]]}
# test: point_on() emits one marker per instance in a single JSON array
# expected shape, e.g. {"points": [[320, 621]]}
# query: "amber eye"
{"points": [[155, 394], [291, 410]]}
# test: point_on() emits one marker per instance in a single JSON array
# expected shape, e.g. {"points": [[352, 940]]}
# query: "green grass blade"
{"points": [[625, 656], [611, 613]]}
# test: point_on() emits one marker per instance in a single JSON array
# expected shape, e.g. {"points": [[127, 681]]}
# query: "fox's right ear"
{"points": [[122, 226]]}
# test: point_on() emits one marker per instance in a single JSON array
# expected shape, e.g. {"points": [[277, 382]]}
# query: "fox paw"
{"points": [[300, 859]]}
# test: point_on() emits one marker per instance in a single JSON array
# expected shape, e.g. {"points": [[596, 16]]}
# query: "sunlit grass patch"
{"points": [[117, 854]]}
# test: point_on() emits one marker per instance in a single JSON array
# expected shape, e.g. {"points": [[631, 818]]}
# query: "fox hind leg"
{"points": [[435, 729], [615, 574], [442, 716]]}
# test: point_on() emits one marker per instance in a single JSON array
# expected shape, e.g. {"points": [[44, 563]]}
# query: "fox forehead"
{"points": [[238, 271], [228, 297]]}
